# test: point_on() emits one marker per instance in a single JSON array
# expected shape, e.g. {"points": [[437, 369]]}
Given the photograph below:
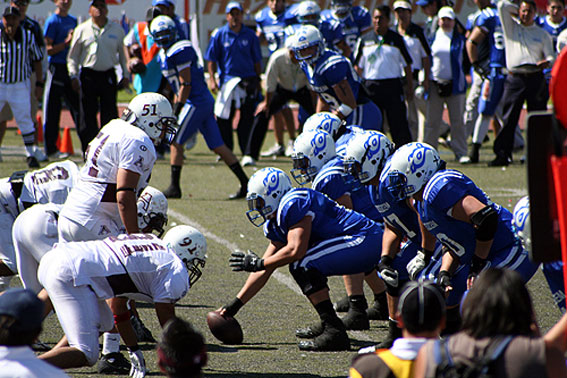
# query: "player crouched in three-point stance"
{"points": [[316, 237], [80, 276], [193, 103]]}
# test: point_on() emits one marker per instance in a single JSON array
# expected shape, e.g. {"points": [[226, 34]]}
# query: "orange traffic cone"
{"points": [[66, 142], [58, 142], [39, 129]]}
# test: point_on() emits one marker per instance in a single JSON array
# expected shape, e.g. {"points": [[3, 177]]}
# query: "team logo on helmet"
{"points": [[319, 143], [417, 158], [271, 182]]}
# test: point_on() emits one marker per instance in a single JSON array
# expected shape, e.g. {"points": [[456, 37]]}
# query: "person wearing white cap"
{"points": [[235, 50], [420, 52], [448, 85]]}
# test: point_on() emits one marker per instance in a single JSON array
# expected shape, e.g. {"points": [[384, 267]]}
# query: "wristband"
{"points": [[40, 84], [427, 253], [345, 110], [386, 260], [125, 190], [233, 307]]}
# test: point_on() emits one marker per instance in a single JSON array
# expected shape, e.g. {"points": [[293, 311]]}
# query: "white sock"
{"points": [[110, 342]]}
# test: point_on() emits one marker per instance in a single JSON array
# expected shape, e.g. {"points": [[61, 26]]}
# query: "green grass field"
{"points": [[270, 319]]}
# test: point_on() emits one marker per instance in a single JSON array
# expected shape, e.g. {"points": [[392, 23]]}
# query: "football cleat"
{"points": [[113, 363]]}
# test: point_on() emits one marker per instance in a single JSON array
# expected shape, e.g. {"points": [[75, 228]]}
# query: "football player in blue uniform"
{"points": [[355, 20], [333, 125], [312, 234], [555, 21], [193, 103], [332, 76], [271, 22], [475, 231], [400, 244], [553, 271], [487, 29], [309, 13], [314, 160]]}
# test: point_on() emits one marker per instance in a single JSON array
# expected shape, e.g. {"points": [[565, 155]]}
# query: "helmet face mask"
{"points": [[191, 247], [302, 171], [308, 13], [311, 150], [163, 31], [266, 188], [308, 44], [152, 211], [366, 154], [152, 113]]}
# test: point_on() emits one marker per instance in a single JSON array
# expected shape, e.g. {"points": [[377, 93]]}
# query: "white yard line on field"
{"points": [[282, 278]]}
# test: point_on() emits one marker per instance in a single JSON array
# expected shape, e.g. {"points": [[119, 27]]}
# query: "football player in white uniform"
{"points": [[21, 190], [80, 276], [118, 165]]}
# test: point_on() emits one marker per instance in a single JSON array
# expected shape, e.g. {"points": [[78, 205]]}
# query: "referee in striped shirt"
{"points": [[18, 51]]}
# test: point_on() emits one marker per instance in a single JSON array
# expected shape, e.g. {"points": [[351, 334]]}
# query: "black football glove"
{"points": [[387, 272], [444, 280], [477, 265], [249, 262], [483, 71]]}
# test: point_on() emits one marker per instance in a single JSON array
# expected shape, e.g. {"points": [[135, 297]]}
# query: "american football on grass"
{"points": [[225, 328]]}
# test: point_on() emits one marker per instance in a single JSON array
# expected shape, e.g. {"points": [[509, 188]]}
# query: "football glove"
{"points": [[444, 280], [249, 262], [138, 364], [477, 265], [387, 272], [418, 263]]}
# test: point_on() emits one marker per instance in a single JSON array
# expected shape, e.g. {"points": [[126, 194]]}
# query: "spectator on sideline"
{"points": [[381, 58], [554, 22], [18, 45], [181, 350], [499, 305], [167, 8], [448, 86], [421, 316], [21, 315], [97, 46], [529, 50], [420, 53], [58, 33], [234, 50]]}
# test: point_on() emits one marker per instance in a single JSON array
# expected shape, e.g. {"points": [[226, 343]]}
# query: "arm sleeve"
{"points": [[75, 52], [505, 10]]}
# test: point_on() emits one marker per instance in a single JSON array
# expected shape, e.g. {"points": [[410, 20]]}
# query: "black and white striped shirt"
{"points": [[17, 55]]}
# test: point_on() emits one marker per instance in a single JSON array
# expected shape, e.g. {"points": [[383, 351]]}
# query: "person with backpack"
{"points": [[499, 336], [421, 315]]}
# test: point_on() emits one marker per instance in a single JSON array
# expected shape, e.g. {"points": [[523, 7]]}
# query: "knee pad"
{"points": [[309, 280]]}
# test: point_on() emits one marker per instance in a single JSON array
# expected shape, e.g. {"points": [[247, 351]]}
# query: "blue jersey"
{"points": [[354, 24], [341, 143], [441, 193], [330, 30], [272, 27], [178, 57], [57, 29], [489, 22], [553, 29], [329, 219], [182, 27], [235, 53], [333, 181], [330, 69]]}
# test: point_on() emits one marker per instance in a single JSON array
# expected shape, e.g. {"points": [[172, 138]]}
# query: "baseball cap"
{"points": [[163, 2], [402, 4], [446, 12], [11, 11], [93, 2], [423, 3], [24, 306], [421, 306], [233, 4]]}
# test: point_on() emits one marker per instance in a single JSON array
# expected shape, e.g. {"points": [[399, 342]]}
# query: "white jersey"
{"points": [[8, 202], [51, 184], [118, 145], [137, 266]]}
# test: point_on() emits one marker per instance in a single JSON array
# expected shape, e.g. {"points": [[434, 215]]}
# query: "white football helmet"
{"points": [[152, 113], [163, 31], [411, 166], [308, 36], [341, 7], [366, 154], [325, 121], [308, 12], [265, 191], [521, 222], [311, 150], [152, 211], [191, 247]]}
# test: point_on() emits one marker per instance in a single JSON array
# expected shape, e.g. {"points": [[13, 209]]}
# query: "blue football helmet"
{"points": [[410, 168], [311, 150], [366, 154], [163, 31], [265, 191]]}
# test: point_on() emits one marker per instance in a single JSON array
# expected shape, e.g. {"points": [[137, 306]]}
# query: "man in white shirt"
{"points": [[21, 317]]}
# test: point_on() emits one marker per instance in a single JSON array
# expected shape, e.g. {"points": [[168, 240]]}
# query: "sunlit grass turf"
{"points": [[269, 320]]}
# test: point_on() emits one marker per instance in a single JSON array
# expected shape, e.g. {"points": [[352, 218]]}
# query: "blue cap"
{"points": [[24, 306], [163, 2], [423, 3], [232, 5]]}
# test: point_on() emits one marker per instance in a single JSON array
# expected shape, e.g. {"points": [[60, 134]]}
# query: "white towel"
{"points": [[229, 91]]}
